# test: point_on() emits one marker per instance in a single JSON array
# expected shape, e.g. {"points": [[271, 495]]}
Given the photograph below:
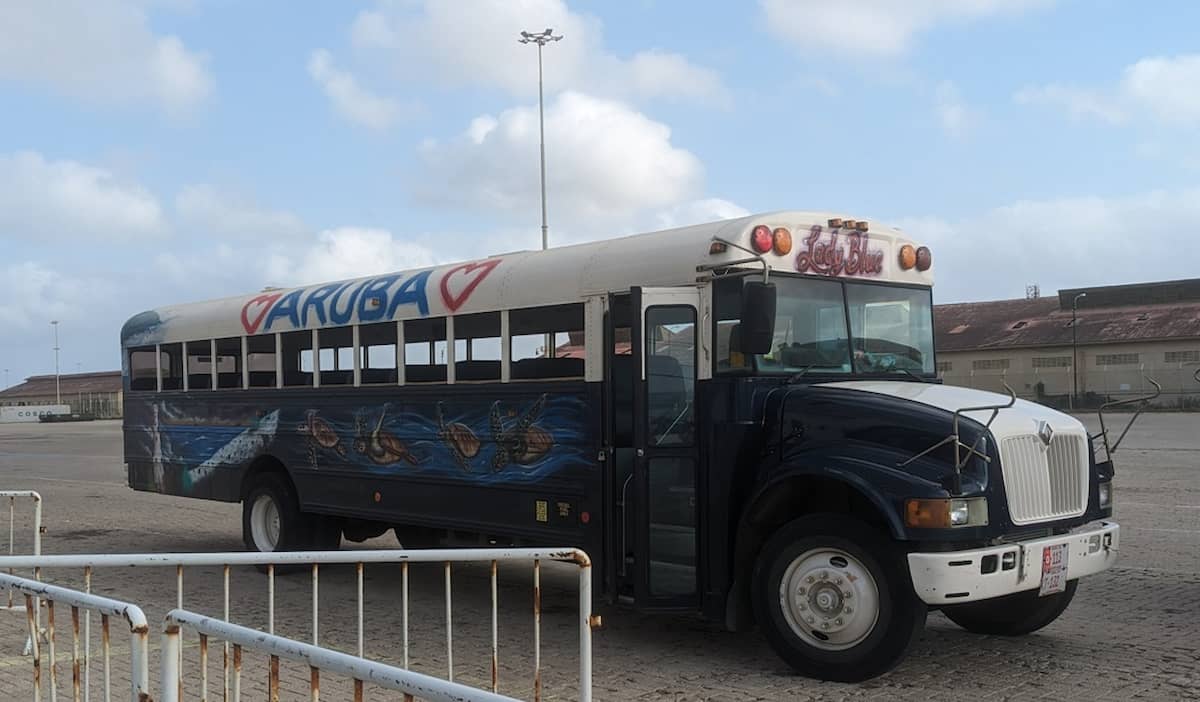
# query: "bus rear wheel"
{"points": [[271, 518], [834, 600], [1012, 615]]}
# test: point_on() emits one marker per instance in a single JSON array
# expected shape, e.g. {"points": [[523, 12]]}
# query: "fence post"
{"points": [[169, 679], [139, 674]]}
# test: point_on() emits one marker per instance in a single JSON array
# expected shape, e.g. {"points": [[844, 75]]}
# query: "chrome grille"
{"points": [[1044, 483]]}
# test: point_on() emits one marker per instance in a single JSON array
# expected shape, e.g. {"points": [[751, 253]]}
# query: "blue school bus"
{"points": [[740, 418]]}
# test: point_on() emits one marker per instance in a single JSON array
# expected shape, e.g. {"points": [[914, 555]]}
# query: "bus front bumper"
{"points": [[953, 577]]}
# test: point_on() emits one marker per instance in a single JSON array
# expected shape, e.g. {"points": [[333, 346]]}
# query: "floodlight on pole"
{"points": [[541, 39], [57, 385], [1074, 350]]}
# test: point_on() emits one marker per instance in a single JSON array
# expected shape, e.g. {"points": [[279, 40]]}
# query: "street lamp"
{"points": [[1074, 349], [57, 387], [541, 39]]}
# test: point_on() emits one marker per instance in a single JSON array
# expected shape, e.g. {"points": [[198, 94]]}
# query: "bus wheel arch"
{"points": [[781, 502], [271, 515]]}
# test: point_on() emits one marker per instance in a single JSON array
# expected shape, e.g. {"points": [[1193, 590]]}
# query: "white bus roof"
{"points": [[560, 275]]}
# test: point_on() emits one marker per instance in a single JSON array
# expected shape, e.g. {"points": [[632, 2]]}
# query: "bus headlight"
{"points": [[1105, 495], [945, 513]]}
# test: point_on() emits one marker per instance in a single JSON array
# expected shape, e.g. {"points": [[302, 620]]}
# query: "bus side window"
{"points": [[142, 373], [425, 350], [172, 366], [477, 347], [335, 358], [260, 360], [377, 353], [229, 363], [298, 360], [529, 330], [199, 365]]}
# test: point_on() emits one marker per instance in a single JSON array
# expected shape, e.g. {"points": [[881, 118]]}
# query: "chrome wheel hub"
{"points": [[829, 599]]}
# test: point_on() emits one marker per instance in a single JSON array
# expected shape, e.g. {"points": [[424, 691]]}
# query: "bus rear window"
{"points": [[143, 373]]}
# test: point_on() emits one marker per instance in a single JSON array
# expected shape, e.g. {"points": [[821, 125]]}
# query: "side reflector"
{"points": [[924, 258], [908, 257], [760, 239], [783, 241], [717, 247]]}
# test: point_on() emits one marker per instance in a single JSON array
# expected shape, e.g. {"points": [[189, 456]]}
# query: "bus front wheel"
{"points": [[834, 600]]}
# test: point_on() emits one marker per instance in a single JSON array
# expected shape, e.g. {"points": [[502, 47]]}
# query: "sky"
{"points": [[163, 151]]}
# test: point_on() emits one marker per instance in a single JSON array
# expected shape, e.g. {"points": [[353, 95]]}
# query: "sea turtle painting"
{"points": [[381, 446], [459, 439], [521, 441], [318, 434]]}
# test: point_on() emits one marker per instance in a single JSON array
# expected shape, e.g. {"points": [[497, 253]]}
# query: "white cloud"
{"points": [[604, 161], [1078, 104], [347, 252], [103, 51], [1166, 89], [711, 209], [216, 212], [1060, 243], [350, 99], [31, 295], [70, 200], [955, 117], [874, 28], [440, 41]]}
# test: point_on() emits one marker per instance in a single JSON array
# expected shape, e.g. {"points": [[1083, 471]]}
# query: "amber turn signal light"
{"points": [[908, 257], [927, 514], [782, 240]]}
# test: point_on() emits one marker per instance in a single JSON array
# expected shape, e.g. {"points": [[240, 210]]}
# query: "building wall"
{"points": [[102, 405], [1114, 370]]}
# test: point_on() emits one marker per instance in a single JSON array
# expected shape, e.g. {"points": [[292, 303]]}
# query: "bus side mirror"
{"points": [[757, 328]]}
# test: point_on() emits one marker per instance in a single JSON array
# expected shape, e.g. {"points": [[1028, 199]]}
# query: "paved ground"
{"points": [[1132, 633]]}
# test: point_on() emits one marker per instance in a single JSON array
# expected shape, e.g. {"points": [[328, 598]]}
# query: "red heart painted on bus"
{"points": [[465, 279], [262, 305]]}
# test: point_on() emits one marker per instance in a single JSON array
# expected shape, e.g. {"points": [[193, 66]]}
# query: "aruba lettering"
{"points": [[336, 303], [830, 258]]}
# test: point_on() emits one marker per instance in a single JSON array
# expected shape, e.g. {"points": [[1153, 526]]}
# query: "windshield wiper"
{"points": [[909, 373]]}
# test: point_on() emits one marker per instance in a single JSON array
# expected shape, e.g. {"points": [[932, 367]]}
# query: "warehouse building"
{"points": [[95, 394], [1103, 342]]}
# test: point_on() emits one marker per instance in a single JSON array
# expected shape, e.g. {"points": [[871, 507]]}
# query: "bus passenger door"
{"points": [[663, 487]]}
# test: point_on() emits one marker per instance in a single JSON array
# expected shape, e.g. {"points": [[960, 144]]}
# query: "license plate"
{"points": [[1054, 569]]}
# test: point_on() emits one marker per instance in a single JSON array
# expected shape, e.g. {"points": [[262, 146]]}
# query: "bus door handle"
{"points": [[625, 522]]}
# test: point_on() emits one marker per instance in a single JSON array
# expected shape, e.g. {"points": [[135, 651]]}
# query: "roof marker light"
{"points": [[908, 257], [862, 225], [761, 239], [924, 258], [782, 239], [835, 223]]}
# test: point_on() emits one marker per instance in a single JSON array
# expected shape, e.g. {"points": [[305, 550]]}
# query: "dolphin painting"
{"points": [[240, 449]]}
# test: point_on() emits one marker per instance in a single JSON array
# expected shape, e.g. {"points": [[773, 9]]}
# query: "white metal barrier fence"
{"points": [[107, 608], [313, 561], [413, 685], [36, 542]]}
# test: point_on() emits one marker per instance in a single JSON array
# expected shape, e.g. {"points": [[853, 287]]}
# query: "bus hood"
{"points": [[1023, 417]]}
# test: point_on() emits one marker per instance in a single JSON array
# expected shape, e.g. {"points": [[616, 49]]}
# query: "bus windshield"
{"points": [[890, 329]]}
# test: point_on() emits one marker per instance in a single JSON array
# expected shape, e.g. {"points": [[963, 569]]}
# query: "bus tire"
{"points": [[834, 599], [1012, 615], [271, 518]]}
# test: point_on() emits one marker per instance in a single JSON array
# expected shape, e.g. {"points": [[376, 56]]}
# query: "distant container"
{"points": [[30, 413]]}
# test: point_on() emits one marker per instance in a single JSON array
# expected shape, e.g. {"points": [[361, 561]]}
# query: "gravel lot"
{"points": [[1132, 632]]}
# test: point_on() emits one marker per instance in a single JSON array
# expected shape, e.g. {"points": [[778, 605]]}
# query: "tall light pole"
{"points": [[541, 39], [57, 387], [1074, 349]]}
